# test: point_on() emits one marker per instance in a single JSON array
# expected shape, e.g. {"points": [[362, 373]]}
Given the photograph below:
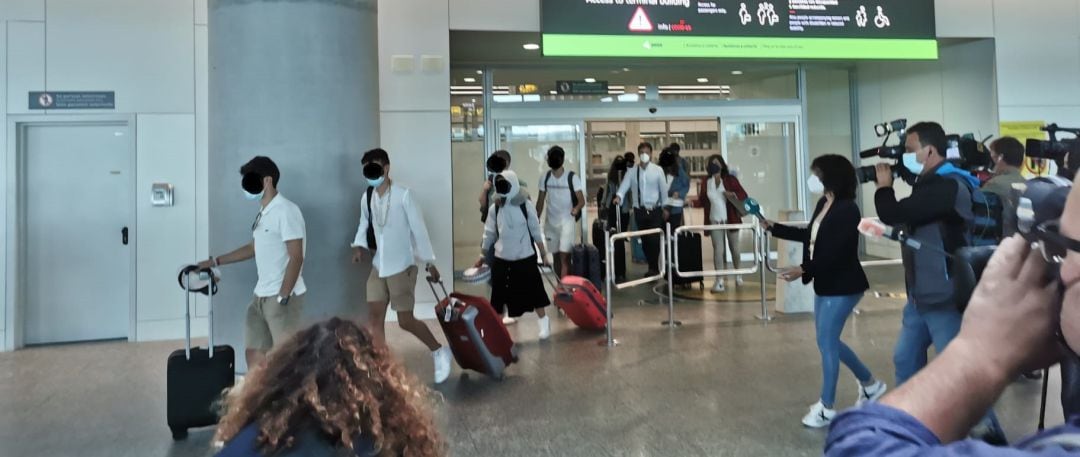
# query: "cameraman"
{"points": [[1009, 327], [936, 215]]}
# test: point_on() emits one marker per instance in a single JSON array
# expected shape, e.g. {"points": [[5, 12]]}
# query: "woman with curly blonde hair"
{"points": [[327, 390]]}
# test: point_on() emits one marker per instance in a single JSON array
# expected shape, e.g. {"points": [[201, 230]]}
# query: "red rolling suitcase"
{"points": [[475, 333], [581, 302]]}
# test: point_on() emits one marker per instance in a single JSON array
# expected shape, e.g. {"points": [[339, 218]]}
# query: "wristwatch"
{"points": [[282, 300]]}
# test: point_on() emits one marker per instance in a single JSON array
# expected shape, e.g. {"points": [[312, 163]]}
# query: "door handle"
{"points": [[124, 236]]}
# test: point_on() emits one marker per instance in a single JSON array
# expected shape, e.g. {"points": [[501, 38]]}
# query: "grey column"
{"points": [[296, 81]]}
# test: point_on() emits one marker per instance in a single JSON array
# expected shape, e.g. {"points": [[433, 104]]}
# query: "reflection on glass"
{"points": [[763, 154]]}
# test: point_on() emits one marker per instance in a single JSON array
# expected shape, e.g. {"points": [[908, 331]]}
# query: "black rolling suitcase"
{"points": [[195, 377], [689, 259]]}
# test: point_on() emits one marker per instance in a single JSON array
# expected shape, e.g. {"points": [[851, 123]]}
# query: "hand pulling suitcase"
{"points": [[197, 377], [581, 302], [689, 259], [475, 333]]}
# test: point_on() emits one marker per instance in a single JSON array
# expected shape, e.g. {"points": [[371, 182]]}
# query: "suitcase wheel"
{"points": [[179, 433]]}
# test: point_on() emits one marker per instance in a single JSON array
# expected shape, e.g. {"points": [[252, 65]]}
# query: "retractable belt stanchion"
{"points": [[671, 267], [609, 241], [763, 252]]}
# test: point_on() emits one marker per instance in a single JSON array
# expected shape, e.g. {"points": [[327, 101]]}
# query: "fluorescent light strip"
{"points": [[689, 87], [466, 87], [466, 92]]}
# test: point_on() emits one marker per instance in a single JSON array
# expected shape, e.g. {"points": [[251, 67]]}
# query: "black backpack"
{"points": [[573, 192]]}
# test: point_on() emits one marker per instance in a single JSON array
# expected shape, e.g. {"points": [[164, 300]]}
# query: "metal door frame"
{"points": [[15, 170]]}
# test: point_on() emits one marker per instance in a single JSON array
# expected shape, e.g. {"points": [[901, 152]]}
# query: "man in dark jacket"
{"points": [[936, 215]]}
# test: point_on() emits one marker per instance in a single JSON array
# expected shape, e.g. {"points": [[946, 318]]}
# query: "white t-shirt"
{"points": [[278, 222], [717, 200], [558, 205]]}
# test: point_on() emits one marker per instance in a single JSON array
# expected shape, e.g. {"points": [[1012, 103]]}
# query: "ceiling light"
{"points": [[590, 80], [554, 92], [530, 46], [629, 97], [736, 72], [479, 72], [625, 69], [725, 87], [703, 80], [469, 80]]}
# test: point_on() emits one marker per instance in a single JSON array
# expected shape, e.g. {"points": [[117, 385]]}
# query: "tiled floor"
{"points": [[724, 384]]}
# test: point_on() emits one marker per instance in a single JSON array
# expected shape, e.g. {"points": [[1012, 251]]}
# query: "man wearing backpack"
{"points": [[560, 192], [937, 215]]}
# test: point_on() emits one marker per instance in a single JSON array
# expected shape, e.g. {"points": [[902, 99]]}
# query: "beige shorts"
{"points": [[560, 236], [399, 289], [269, 323]]}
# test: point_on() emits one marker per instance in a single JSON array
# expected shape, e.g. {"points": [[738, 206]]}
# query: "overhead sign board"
{"points": [[73, 100], [581, 87], [777, 29]]}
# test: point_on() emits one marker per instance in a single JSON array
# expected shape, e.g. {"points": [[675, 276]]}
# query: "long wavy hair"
{"points": [[333, 378]]}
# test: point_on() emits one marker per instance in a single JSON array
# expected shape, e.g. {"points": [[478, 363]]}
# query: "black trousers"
{"points": [[646, 220]]}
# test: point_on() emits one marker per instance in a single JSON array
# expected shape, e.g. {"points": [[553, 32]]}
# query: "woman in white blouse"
{"points": [[719, 186]]}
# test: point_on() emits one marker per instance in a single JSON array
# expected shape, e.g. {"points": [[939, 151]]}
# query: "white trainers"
{"points": [[871, 393], [718, 287], [819, 416], [738, 281], [442, 358], [507, 320], [545, 327]]}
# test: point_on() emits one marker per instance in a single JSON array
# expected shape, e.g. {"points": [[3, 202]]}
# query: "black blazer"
{"points": [[835, 268]]}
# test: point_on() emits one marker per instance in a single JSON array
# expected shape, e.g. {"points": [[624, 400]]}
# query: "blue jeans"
{"points": [[917, 332], [830, 314]]}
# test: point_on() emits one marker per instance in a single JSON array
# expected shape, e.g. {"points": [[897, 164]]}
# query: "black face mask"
{"points": [[373, 170], [502, 186], [252, 183], [555, 162], [496, 164]]}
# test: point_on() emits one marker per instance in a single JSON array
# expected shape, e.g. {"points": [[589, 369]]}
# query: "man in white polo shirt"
{"points": [[561, 194], [278, 248]]}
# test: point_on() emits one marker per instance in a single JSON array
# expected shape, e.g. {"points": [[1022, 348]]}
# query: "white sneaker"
{"points": [[545, 327], [819, 416], [442, 358], [871, 394], [718, 287], [507, 320], [738, 281]]}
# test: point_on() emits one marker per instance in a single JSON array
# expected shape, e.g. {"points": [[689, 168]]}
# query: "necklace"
{"points": [[382, 208]]}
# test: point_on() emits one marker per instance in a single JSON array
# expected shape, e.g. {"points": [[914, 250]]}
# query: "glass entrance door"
{"points": [[764, 154]]}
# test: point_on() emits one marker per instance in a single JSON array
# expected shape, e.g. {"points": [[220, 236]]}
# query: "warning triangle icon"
{"points": [[640, 22]]}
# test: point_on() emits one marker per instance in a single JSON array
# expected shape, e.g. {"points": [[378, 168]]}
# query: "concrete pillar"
{"points": [[296, 81]]}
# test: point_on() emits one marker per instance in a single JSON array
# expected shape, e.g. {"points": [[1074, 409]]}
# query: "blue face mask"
{"points": [[911, 161], [251, 196], [376, 182]]}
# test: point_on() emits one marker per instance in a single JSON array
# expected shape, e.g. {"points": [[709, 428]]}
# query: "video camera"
{"points": [[884, 130], [1054, 149]]}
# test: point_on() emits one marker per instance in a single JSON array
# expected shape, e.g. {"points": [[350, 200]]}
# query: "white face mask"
{"points": [[644, 158], [815, 185]]}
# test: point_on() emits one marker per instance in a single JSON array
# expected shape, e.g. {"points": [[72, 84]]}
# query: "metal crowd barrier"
{"points": [[609, 242], [674, 266]]}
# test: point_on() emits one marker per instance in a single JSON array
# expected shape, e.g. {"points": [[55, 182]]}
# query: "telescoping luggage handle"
{"points": [[187, 307], [449, 309]]}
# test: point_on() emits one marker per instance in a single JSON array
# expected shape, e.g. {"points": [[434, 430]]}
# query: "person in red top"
{"points": [[715, 194]]}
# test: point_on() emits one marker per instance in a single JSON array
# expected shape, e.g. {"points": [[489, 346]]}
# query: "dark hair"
{"points": [[503, 154], [334, 379], [496, 164], [837, 174], [629, 157], [618, 166], [645, 144], [667, 161], [931, 134], [262, 166], [1010, 149], [376, 155], [724, 171], [675, 148], [556, 151]]}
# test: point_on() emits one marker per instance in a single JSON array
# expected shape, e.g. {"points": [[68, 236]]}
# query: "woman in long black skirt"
{"points": [[514, 229]]}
